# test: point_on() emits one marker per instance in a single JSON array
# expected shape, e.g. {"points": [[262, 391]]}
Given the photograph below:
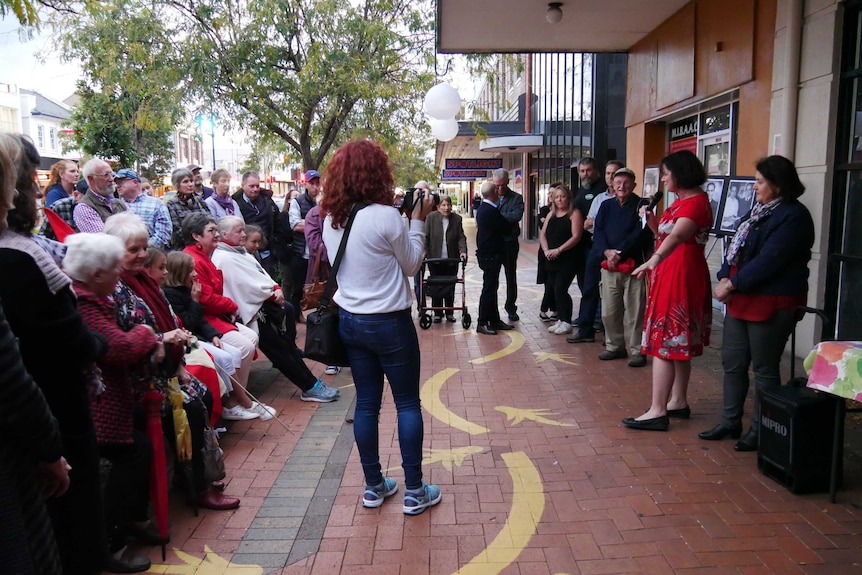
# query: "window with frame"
{"points": [[52, 138], [40, 136]]}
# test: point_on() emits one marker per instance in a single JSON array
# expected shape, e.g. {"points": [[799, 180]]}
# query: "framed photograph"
{"points": [[652, 175], [737, 203], [714, 188]]}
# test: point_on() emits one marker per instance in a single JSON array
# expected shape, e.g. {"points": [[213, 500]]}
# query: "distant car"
{"points": [[279, 201], [168, 196]]}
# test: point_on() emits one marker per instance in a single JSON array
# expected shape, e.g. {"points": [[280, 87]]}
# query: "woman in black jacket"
{"points": [[763, 280]]}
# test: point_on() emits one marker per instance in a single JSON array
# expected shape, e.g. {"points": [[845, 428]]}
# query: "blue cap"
{"points": [[127, 174], [311, 174]]}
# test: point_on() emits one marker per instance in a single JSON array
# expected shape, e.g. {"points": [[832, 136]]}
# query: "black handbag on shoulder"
{"points": [[322, 342]]}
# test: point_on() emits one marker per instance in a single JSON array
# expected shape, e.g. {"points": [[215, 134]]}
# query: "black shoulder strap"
{"points": [[330, 283]]}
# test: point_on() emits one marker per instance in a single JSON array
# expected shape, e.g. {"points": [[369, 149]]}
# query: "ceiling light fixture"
{"points": [[554, 13]]}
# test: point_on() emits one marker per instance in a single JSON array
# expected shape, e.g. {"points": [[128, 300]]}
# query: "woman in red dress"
{"points": [[678, 314]]}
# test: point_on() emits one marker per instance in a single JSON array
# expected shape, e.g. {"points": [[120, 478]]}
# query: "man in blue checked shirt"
{"points": [[152, 210]]}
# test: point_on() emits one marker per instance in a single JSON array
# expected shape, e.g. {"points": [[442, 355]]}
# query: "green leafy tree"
{"points": [[313, 73], [27, 11], [410, 159], [129, 104]]}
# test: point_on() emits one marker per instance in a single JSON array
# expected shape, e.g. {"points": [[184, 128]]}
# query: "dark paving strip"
{"points": [[290, 523]]}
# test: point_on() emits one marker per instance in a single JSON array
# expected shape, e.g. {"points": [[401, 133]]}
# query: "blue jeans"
{"points": [[590, 301], [377, 345]]}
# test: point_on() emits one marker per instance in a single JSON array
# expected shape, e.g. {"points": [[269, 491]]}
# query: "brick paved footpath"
{"points": [[523, 435]]}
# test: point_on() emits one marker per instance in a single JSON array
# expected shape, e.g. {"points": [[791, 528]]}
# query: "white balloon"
{"points": [[444, 130], [442, 102]]}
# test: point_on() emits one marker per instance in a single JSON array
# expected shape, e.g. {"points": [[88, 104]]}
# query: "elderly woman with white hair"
{"points": [[93, 263], [259, 296], [140, 301]]}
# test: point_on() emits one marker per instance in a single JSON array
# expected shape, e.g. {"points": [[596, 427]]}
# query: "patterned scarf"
{"points": [[225, 202], [758, 212]]}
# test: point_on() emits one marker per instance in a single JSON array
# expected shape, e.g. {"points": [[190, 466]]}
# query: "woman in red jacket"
{"points": [[200, 233], [93, 263]]}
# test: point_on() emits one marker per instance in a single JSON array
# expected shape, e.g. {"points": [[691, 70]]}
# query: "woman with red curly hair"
{"points": [[374, 298]]}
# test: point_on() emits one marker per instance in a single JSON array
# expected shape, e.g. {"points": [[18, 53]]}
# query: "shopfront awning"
{"points": [[519, 26]]}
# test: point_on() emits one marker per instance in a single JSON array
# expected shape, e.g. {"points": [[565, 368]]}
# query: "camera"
{"points": [[414, 195]]}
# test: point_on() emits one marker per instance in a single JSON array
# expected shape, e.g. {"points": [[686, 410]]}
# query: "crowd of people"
{"points": [[147, 299], [645, 282], [144, 299]]}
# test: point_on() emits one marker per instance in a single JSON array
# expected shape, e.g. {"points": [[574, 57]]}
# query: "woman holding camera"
{"points": [[374, 300]]}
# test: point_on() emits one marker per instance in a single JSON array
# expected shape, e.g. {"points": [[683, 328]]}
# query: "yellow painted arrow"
{"points": [[449, 457], [528, 505], [548, 356], [516, 343], [212, 564], [517, 415], [430, 396]]}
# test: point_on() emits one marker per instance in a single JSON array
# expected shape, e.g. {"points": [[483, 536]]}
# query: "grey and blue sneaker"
{"points": [[417, 500], [320, 393], [375, 494]]}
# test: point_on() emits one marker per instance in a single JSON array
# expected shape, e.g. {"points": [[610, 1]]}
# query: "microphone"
{"points": [[655, 200], [652, 204]]}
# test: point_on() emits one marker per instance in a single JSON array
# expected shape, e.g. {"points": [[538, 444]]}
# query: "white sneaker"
{"points": [[238, 413], [564, 327], [331, 370], [553, 328], [266, 412]]}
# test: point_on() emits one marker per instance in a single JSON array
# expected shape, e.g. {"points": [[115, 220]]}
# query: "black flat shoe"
{"points": [[683, 413], [720, 432], [486, 330], [655, 424], [501, 325], [747, 443]]}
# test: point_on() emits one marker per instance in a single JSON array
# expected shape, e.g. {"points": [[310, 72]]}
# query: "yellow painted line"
{"points": [[516, 343], [528, 505], [212, 564], [430, 396]]}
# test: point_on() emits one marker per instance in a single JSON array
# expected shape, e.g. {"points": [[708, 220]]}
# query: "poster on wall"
{"points": [[738, 201], [714, 188], [518, 181], [651, 181]]}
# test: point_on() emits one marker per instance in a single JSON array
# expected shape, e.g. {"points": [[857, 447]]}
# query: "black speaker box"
{"points": [[797, 428]]}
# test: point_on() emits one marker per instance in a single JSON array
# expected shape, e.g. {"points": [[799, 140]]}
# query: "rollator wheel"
{"points": [[425, 321], [466, 320]]}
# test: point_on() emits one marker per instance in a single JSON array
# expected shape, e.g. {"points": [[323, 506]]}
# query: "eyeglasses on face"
{"points": [[105, 175], [213, 231]]}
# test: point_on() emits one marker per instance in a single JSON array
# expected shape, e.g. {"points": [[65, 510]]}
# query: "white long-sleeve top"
{"points": [[381, 255]]}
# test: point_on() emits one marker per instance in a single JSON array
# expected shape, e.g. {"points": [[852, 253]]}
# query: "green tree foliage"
{"points": [[411, 161], [313, 73], [129, 104], [28, 11]]}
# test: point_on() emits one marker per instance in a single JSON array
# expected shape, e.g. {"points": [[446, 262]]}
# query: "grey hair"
{"points": [[227, 223], [179, 175], [127, 226], [422, 183], [91, 253], [487, 189], [91, 166], [194, 224], [501, 174]]}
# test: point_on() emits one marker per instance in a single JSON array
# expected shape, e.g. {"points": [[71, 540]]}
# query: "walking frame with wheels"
{"points": [[441, 284]]}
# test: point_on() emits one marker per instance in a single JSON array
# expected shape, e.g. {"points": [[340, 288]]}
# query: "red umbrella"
{"points": [[152, 401]]}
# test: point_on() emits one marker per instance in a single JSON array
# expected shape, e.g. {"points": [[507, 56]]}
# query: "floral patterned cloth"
{"points": [[836, 367], [678, 317]]}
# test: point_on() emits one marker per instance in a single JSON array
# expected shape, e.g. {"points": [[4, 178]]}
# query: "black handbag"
{"points": [[322, 342]]}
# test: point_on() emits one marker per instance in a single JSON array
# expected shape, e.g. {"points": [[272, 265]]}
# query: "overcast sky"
{"points": [[21, 63]]}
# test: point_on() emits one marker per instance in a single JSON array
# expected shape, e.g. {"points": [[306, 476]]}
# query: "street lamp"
{"points": [[208, 123]]}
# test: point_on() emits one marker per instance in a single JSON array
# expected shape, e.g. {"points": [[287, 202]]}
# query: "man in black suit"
{"points": [[491, 226]]}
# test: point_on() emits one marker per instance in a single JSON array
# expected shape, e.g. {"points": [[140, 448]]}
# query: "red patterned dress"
{"points": [[678, 317]]}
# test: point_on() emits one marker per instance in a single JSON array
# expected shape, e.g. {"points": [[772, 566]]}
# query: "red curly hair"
{"points": [[358, 172]]}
